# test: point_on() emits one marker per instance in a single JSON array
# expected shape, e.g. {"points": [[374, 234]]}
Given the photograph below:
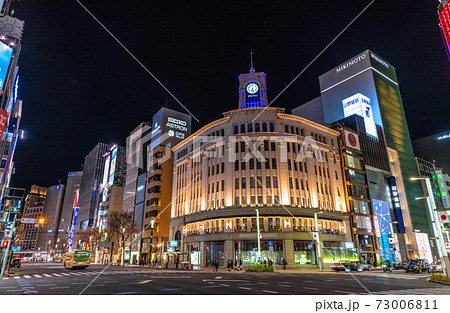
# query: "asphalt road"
{"points": [[52, 278]]}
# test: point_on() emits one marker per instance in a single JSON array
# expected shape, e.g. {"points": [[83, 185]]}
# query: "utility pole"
{"points": [[5, 256], [319, 248]]}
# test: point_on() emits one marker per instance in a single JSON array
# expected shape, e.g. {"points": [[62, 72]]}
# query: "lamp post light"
{"points": [[258, 234], [439, 237], [318, 247]]}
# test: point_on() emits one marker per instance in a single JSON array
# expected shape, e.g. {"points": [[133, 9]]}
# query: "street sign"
{"points": [[8, 234], [270, 243], [315, 235], [391, 241], [28, 220], [173, 243]]}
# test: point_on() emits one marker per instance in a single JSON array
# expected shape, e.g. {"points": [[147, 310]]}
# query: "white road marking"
{"points": [[262, 283], [343, 291], [38, 276], [65, 274], [45, 285], [16, 277], [60, 287], [5, 277], [47, 275], [27, 276], [270, 291], [245, 288], [312, 288], [57, 275], [145, 281], [218, 277], [225, 285], [13, 290], [284, 286]]}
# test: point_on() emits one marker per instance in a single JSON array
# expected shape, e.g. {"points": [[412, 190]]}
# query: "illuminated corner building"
{"points": [[112, 186], [65, 221], [444, 19], [368, 80], [11, 30], [90, 189], [47, 237], [169, 127], [219, 181], [434, 148], [33, 206]]}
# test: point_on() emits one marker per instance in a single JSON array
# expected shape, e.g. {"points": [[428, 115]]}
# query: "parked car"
{"points": [[436, 267], [346, 265], [400, 265], [418, 266]]}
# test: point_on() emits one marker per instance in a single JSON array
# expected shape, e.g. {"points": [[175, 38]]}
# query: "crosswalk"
{"points": [[381, 275], [70, 273]]}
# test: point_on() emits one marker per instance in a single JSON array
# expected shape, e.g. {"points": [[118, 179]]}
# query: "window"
{"points": [[252, 164], [275, 182], [276, 200], [260, 200], [269, 200], [223, 185], [259, 181], [301, 182], [242, 128], [306, 169], [302, 132], [236, 183], [295, 165], [300, 167], [324, 174], [290, 183], [242, 146], [243, 165], [244, 182], [272, 127], [252, 182], [258, 164], [250, 127], [273, 146], [217, 186], [252, 200], [286, 128], [288, 145], [335, 172], [217, 169], [268, 182], [274, 164], [212, 169], [264, 127], [257, 129], [267, 166], [236, 129], [289, 165], [315, 169], [223, 167], [296, 183], [236, 165], [266, 145]]}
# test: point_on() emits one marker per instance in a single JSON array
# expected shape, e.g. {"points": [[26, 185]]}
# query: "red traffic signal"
{"points": [[5, 244]]}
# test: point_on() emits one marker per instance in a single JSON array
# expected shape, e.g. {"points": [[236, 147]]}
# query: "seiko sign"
{"points": [[350, 63], [177, 124]]}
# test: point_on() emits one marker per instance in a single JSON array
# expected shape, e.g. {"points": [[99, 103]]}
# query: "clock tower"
{"points": [[252, 89]]}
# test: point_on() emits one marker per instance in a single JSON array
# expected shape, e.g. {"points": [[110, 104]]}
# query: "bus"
{"points": [[77, 259]]}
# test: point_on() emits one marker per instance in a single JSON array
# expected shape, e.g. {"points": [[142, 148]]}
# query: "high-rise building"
{"points": [[90, 189], [434, 148], [444, 19], [367, 85], [65, 222], [33, 206], [169, 127], [47, 240], [258, 157]]}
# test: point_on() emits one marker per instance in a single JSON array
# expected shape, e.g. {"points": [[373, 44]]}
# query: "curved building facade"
{"points": [[258, 157]]}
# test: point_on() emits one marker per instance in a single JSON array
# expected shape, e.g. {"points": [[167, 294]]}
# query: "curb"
{"points": [[438, 282]]}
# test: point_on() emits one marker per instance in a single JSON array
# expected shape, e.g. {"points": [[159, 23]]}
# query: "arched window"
{"points": [[272, 127], [250, 127], [242, 128], [236, 129], [257, 128], [264, 127]]}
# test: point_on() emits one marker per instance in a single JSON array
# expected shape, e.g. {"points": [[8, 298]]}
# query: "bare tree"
{"points": [[121, 225], [90, 235]]}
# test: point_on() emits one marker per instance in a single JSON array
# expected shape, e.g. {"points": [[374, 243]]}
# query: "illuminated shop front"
{"points": [[247, 251], [383, 229]]}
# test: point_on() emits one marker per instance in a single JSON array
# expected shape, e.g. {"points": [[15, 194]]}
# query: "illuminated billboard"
{"points": [[5, 59], [112, 168], [106, 171], [360, 105], [383, 215], [169, 127], [444, 18]]}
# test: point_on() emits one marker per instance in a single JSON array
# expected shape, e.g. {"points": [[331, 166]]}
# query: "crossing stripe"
{"points": [[57, 275], [38, 276], [47, 275], [27, 276], [16, 277]]}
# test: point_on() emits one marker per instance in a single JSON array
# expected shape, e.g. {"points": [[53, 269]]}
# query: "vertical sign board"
{"points": [[74, 219], [5, 60], [106, 171], [112, 168], [397, 207], [377, 226], [3, 117]]}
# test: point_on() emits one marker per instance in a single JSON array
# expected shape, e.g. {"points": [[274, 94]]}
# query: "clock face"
{"points": [[252, 88]]}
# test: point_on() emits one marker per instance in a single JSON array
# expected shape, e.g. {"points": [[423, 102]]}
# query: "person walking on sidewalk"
{"points": [[284, 264], [215, 265]]}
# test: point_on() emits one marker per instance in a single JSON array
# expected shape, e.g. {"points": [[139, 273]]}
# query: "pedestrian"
{"points": [[284, 264], [216, 265], [177, 261]]}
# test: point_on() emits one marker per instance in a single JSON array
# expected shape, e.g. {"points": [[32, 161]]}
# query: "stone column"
{"points": [[229, 251], [202, 254], [288, 251]]}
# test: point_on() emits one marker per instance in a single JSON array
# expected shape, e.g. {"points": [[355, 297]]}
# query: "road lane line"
{"points": [[262, 283], [45, 285], [311, 288], [145, 281], [245, 288], [47, 275], [27, 276], [60, 287], [270, 291], [225, 285], [38, 276], [57, 275]]}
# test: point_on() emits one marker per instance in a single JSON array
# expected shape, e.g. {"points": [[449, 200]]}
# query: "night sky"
{"points": [[80, 87]]}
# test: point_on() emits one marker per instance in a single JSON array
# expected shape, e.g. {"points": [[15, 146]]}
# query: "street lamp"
{"points": [[435, 223], [318, 248], [258, 234]]}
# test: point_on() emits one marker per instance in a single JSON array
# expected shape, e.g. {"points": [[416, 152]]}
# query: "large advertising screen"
{"points": [[5, 59], [444, 18], [112, 169], [382, 212], [169, 127], [360, 105]]}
